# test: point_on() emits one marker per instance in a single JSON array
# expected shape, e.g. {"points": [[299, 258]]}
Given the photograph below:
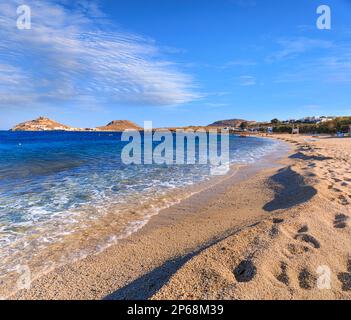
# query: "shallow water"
{"points": [[60, 191]]}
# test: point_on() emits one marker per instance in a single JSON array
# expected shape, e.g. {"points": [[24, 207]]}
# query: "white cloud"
{"points": [[70, 54]]}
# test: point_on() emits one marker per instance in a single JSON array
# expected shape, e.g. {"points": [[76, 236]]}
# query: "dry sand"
{"points": [[300, 251], [270, 234]]}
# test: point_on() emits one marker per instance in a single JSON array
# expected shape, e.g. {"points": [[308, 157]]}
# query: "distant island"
{"points": [[311, 125], [41, 124], [46, 124], [233, 123], [120, 125]]}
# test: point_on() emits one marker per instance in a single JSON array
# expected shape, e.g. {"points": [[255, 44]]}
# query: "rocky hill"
{"points": [[46, 124], [120, 125], [234, 123], [41, 124]]}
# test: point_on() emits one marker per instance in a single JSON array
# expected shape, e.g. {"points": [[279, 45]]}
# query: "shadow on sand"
{"points": [[290, 190], [302, 156], [146, 286]]}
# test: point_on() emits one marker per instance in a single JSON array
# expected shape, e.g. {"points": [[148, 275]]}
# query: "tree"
{"points": [[244, 125], [275, 121]]}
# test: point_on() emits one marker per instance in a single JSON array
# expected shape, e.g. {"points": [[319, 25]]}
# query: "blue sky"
{"points": [[175, 62]]}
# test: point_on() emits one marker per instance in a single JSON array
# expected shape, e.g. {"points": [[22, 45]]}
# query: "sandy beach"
{"points": [[279, 230], [175, 150]]}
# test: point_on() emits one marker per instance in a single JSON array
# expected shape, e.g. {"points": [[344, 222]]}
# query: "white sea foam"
{"points": [[41, 213]]}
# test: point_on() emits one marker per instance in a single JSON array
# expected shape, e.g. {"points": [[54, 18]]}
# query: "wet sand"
{"points": [[170, 236], [267, 232]]}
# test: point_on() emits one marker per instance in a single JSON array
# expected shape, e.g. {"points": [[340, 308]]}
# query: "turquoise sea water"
{"points": [[55, 184]]}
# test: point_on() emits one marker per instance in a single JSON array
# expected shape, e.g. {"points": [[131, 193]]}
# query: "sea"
{"points": [[66, 195]]}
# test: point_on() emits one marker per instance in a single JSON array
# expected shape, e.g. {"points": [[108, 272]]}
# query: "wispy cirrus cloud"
{"points": [[73, 52], [334, 67], [314, 60], [292, 48]]}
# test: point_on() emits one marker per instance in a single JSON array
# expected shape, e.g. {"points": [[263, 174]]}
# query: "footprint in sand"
{"points": [[303, 236], [308, 239], [296, 250], [343, 200], [304, 229], [344, 184], [311, 175], [345, 277], [307, 280], [245, 271], [283, 276], [340, 221], [274, 232]]}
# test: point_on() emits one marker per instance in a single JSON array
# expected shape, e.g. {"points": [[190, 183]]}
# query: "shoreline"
{"points": [[301, 252], [263, 237], [169, 217], [113, 228], [217, 185]]}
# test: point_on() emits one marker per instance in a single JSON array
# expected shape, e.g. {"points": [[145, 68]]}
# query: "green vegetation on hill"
{"points": [[341, 124]]}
